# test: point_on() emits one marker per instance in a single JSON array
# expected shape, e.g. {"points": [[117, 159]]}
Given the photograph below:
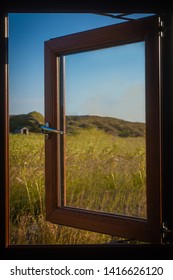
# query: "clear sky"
{"points": [[108, 82]]}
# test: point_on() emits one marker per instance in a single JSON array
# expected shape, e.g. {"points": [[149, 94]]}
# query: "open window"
{"points": [[125, 200]]}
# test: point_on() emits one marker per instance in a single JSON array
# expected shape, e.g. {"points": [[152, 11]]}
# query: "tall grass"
{"points": [[104, 173]]}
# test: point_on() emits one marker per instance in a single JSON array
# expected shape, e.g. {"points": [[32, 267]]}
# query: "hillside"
{"points": [[32, 121], [114, 126], [110, 125]]}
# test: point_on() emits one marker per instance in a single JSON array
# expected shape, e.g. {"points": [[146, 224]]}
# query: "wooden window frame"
{"points": [[101, 251], [55, 49]]}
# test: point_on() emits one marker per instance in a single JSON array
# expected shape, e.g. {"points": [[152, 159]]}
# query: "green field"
{"points": [[104, 173]]}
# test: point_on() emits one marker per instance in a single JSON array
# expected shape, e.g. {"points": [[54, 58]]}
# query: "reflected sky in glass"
{"points": [[107, 82]]}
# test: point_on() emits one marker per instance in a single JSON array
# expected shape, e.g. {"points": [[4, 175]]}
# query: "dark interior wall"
{"points": [[4, 130], [167, 120], [118, 6]]}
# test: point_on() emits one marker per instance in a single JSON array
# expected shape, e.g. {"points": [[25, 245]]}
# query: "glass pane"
{"points": [[105, 143]]}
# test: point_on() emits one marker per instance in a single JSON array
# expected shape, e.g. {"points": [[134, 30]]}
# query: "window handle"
{"points": [[48, 130]]}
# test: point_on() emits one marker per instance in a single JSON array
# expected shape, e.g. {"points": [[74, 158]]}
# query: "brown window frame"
{"points": [[148, 230], [101, 251]]}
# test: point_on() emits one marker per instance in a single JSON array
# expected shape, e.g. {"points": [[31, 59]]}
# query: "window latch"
{"points": [[49, 130]]}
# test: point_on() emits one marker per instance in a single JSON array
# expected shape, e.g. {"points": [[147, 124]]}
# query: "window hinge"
{"points": [[167, 233], [162, 28]]}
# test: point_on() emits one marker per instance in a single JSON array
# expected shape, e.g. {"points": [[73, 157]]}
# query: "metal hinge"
{"points": [[167, 233], [161, 29]]}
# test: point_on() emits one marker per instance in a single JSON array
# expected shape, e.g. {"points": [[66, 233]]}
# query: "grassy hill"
{"points": [[110, 125], [114, 126], [32, 121]]}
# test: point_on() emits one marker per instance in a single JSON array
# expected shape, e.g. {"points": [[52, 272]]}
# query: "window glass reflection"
{"points": [[105, 116]]}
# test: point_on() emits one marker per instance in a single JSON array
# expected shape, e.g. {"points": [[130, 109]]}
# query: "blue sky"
{"points": [[109, 82]]}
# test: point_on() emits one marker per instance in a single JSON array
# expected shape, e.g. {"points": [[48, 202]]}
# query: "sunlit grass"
{"points": [[104, 173]]}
